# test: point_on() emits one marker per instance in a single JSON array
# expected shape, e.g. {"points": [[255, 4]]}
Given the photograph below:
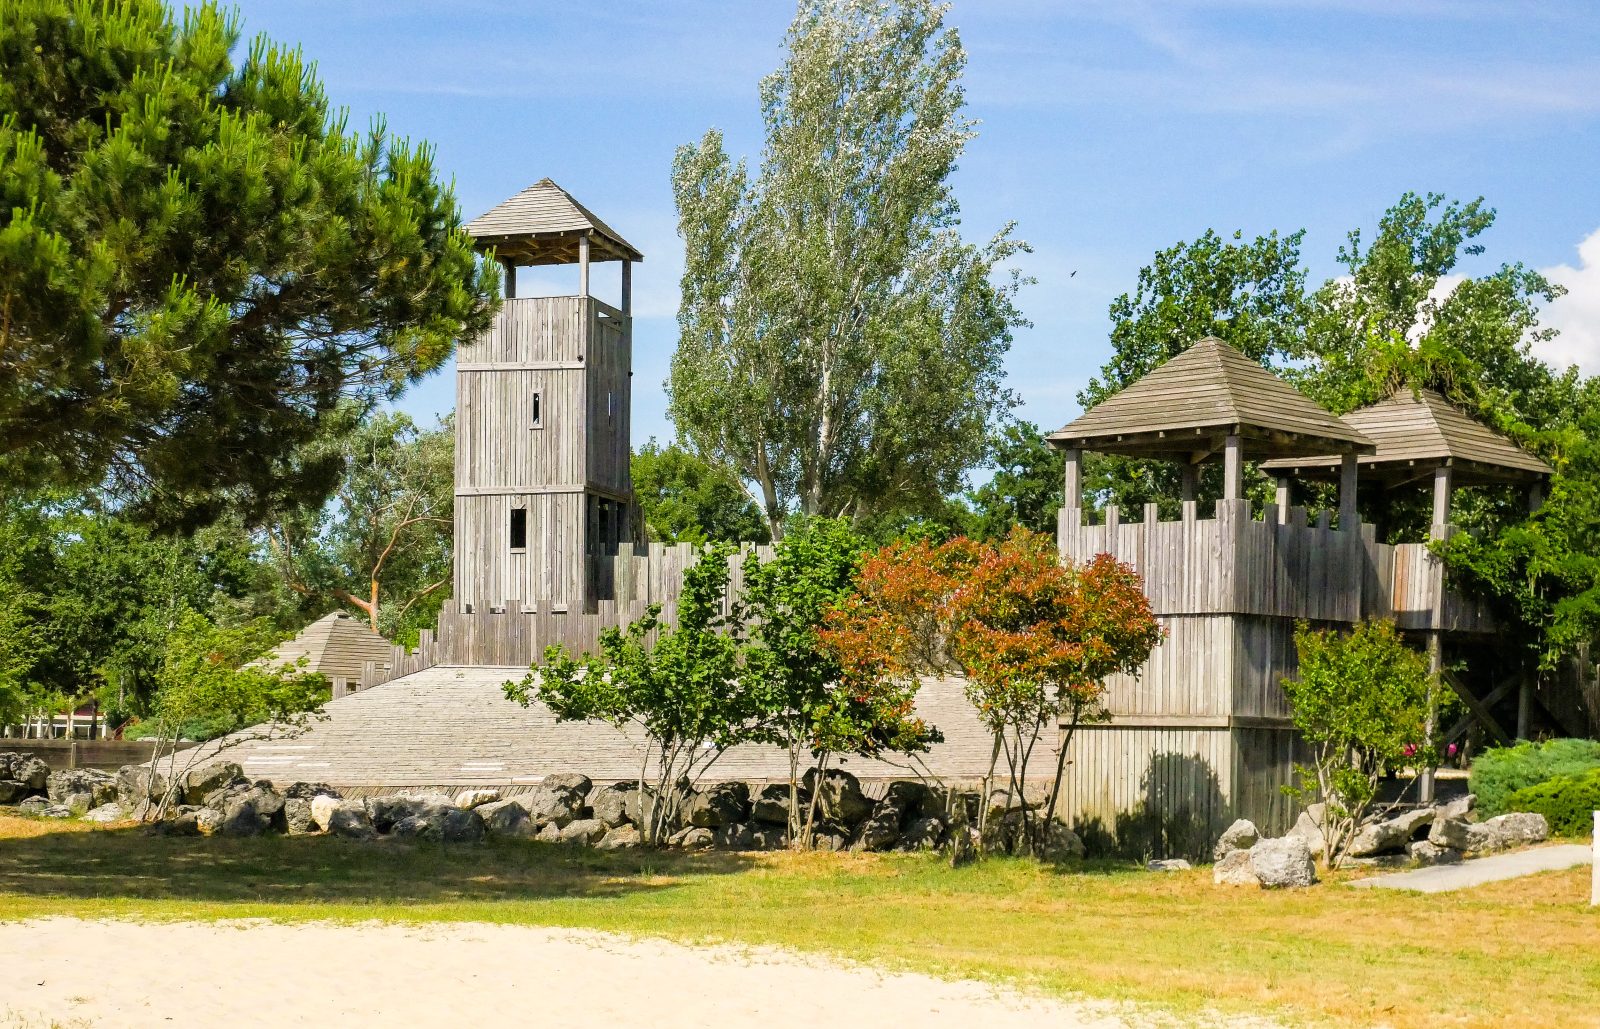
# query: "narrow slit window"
{"points": [[536, 412], [519, 528], [611, 404]]}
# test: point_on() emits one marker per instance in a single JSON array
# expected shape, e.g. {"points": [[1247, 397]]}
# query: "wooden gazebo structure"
{"points": [[1423, 441], [1204, 734]]}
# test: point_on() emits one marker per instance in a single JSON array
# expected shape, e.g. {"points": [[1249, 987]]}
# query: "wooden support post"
{"points": [[1535, 497], [1282, 498], [1443, 480], [1430, 726], [1233, 469], [583, 265], [627, 288], [1348, 519], [509, 274], [1191, 482], [1074, 481], [1524, 708]]}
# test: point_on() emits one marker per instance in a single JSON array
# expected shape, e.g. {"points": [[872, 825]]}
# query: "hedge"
{"points": [[1568, 803], [1502, 771]]}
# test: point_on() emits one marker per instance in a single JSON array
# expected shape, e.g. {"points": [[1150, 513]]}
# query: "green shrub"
{"points": [[1568, 803], [1498, 773]]}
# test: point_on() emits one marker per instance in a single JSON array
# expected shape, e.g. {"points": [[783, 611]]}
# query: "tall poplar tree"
{"points": [[841, 343]]}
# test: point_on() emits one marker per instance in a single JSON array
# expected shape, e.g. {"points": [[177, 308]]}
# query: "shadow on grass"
{"points": [[133, 864]]}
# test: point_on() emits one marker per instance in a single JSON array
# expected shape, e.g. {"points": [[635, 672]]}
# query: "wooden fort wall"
{"points": [[1202, 734]]}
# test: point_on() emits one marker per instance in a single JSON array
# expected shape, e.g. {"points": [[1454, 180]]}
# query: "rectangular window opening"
{"points": [[536, 413], [519, 528]]}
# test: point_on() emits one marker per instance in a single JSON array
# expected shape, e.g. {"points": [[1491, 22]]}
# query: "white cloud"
{"points": [[1577, 314]]}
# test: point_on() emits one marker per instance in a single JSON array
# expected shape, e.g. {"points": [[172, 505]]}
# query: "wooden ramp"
{"points": [[452, 726]]}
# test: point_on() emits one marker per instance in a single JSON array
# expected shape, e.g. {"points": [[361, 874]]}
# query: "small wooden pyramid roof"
{"points": [[1185, 407], [542, 224], [1419, 430], [336, 645]]}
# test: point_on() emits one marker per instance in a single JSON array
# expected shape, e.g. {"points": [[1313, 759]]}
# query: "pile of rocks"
{"points": [[565, 808], [29, 783], [1438, 835], [1243, 858]]}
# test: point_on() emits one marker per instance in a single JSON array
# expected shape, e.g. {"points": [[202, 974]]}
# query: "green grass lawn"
{"points": [[1525, 952]]}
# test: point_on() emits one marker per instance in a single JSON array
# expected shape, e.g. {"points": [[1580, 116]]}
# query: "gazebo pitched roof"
{"points": [[1207, 392], [1420, 430], [542, 224]]}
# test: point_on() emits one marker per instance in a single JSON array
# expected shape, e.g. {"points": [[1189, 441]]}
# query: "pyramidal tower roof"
{"points": [[1210, 390], [542, 225], [1417, 430]]}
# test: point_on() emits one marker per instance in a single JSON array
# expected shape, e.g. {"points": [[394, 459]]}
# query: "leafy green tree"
{"points": [[680, 686], [686, 499], [808, 706], [383, 544], [1026, 487], [840, 343], [198, 262], [1361, 702], [211, 684]]}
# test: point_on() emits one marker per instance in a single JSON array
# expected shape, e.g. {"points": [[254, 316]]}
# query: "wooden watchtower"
{"points": [[542, 486]]}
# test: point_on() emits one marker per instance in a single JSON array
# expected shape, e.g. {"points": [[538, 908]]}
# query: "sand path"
{"points": [[232, 975]]}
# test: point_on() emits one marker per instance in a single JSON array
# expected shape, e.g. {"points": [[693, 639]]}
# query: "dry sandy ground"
{"points": [[67, 972]]}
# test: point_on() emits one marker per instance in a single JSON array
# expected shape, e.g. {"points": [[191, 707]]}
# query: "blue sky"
{"points": [[1109, 130]]}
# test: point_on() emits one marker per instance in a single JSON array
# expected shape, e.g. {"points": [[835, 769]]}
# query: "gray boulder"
{"points": [[57, 811], [297, 820], [26, 769], [611, 804], [879, 832], [469, 799], [198, 783], [1425, 852], [111, 812], [12, 792], [619, 837], [1513, 830], [181, 823], [100, 787], [770, 804], [764, 836], [692, 838], [1168, 865], [208, 821], [310, 791], [248, 809], [443, 823], [1283, 863], [550, 833], [733, 836], [80, 804], [1235, 869], [1060, 842], [554, 804], [839, 796], [1241, 835], [723, 803], [506, 818], [1308, 827], [136, 783], [1391, 835], [322, 809], [348, 819], [925, 833], [577, 782], [586, 831], [1461, 807], [1455, 833], [830, 839], [910, 796], [34, 805], [387, 811]]}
